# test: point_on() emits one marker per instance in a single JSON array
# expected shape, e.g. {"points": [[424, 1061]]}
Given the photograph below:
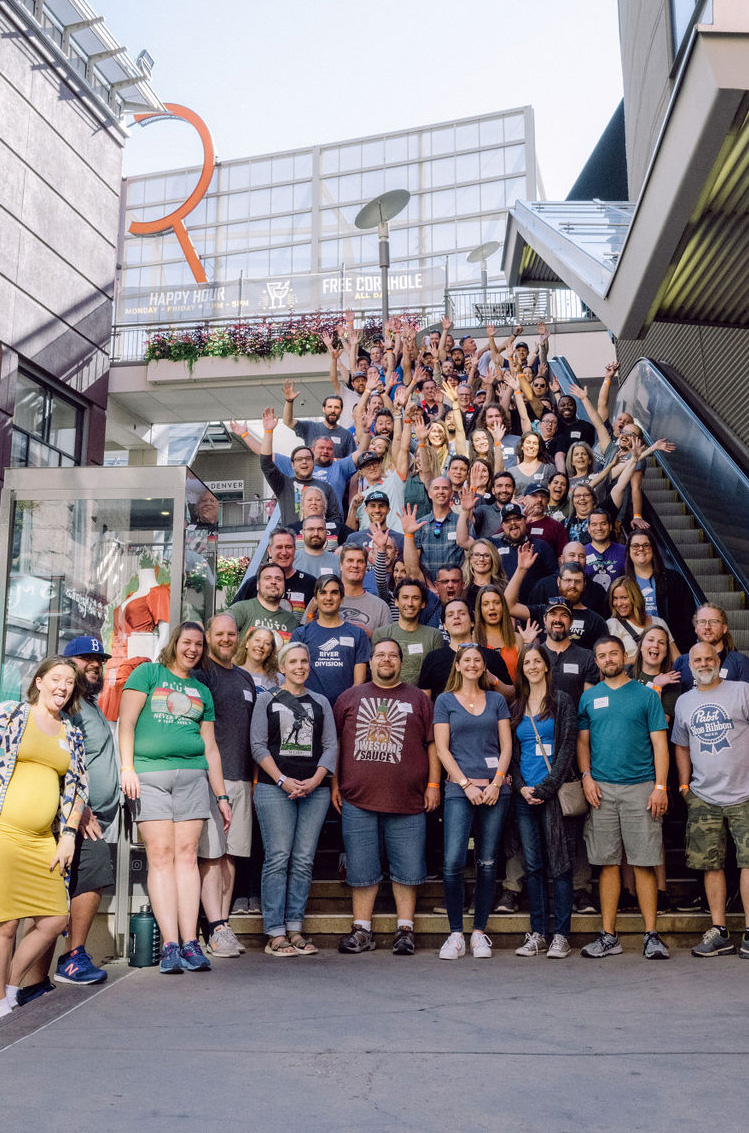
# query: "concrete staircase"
{"points": [[698, 552]]}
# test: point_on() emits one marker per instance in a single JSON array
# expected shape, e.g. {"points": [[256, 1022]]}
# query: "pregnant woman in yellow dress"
{"points": [[43, 791]]}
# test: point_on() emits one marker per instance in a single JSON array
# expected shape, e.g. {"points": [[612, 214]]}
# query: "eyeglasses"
{"points": [[639, 547], [709, 622], [486, 555]]}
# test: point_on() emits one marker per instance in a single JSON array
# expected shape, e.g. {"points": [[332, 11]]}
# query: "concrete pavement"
{"points": [[375, 1042]]}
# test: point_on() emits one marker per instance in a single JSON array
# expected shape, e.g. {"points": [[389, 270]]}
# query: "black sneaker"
{"points": [[507, 903], [34, 991], [404, 942], [358, 940], [743, 952], [695, 905], [583, 903], [664, 902], [628, 902]]}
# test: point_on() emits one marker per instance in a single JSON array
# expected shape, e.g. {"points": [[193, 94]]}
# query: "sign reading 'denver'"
{"points": [[248, 298]]}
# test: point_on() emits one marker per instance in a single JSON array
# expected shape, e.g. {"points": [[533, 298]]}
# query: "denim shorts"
{"points": [[367, 833]]}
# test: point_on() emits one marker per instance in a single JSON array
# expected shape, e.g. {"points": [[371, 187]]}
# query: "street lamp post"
{"points": [[479, 256], [376, 214]]}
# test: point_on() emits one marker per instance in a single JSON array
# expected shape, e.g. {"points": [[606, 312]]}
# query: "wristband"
{"points": [[223, 798], [659, 787], [435, 785], [408, 535], [246, 433], [584, 773], [69, 830], [636, 515], [280, 781], [126, 769], [267, 430], [500, 775], [289, 400], [422, 445], [683, 786]]}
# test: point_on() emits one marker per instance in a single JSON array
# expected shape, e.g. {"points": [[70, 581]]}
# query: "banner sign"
{"points": [[250, 298]]}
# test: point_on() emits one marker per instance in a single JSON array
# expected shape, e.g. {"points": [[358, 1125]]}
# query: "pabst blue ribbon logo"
{"points": [[711, 724]]}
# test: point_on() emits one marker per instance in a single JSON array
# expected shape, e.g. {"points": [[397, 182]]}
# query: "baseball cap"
{"points": [[81, 646], [509, 511], [369, 458], [377, 497], [557, 603], [538, 490]]}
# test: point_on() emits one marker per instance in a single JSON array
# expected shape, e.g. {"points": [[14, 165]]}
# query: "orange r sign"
{"points": [[175, 220]]}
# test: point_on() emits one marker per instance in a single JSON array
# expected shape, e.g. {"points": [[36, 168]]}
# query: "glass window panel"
{"points": [[302, 165], [172, 274], [19, 450], [235, 236], [494, 229], [257, 265], [204, 239], [259, 233], [415, 240], [133, 251], [467, 136], [301, 258], [373, 153], [259, 202], [30, 410], [329, 161], [491, 163], [237, 206], [443, 172], [153, 190], [329, 256], [398, 243], [329, 191], [443, 204], [350, 250], [467, 167], [349, 157], [349, 188], [302, 194], [492, 196], [372, 184], [260, 173], [280, 229], [136, 192], [514, 159], [302, 225], [462, 272], [397, 177], [515, 128], [468, 199], [415, 181], [280, 261], [515, 190], [283, 169], [329, 222], [179, 186], [205, 211], [469, 233], [420, 145], [282, 198], [396, 149], [443, 141], [423, 244], [491, 132], [443, 237], [239, 176]]}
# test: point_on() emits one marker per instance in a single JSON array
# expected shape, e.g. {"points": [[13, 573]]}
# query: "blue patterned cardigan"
{"points": [[74, 796]]}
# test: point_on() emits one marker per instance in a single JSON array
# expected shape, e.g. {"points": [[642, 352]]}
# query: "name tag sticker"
{"points": [[416, 648], [407, 708], [296, 596], [503, 550], [723, 673], [601, 702], [537, 530], [63, 744], [577, 626], [492, 760], [347, 641], [247, 694], [570, 668], [590, 558], [192, 692], [452, 536], [576, 434], [326, 570], [543, 750]]}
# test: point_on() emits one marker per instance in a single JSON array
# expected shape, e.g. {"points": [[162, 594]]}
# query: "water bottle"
{"points": [[145, 939]]}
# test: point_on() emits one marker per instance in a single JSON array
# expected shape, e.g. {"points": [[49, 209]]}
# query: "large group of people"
{"points": [[463, 629]]}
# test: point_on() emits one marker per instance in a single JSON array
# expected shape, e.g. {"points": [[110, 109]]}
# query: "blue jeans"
{"points": [[533, 839], [367, 833], [487, 822], [291, 829]]}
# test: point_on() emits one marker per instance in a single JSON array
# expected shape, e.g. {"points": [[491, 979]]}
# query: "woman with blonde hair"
{"points": [[494, 627], [482, 566], [630, 620], [258, 655]]}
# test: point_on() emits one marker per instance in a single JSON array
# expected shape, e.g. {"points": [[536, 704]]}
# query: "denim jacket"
{"points": [[13, 722]]}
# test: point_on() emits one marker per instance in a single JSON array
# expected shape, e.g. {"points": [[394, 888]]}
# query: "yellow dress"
{"points": [[27, 844]]}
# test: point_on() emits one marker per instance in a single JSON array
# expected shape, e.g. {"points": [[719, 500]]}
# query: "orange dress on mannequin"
{"points": [[139, 615]]}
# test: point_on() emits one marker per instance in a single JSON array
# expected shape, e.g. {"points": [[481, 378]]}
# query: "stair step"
{"points": [[703, 551], [669, 508], [719, 584], [681, 528]]}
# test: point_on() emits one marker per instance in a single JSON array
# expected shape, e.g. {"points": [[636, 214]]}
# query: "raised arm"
{"points": [[463, 533], [240, 430], [605, 390], [526, 558], [290, 395], [581, 393]]}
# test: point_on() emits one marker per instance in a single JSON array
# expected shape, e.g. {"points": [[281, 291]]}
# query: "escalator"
{"points": [[696, 498]]}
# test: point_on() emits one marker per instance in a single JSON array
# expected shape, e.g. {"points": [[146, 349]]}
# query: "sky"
{"points": [[268, 76]]}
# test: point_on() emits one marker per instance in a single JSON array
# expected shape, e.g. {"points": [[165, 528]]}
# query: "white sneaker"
{"points": [[454, 947], [481, 946], [559, 948], [534, 943]]}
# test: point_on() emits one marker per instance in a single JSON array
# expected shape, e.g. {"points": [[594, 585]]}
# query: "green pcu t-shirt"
{"points": [[167, 733]]}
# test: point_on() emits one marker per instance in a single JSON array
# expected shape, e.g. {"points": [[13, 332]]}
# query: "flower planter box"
{"points": [[212, 369]]}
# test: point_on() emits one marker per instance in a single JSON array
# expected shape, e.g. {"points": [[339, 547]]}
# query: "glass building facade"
{"points": [[292, 214]]}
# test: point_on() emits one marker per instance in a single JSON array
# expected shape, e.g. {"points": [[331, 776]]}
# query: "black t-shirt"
{"points": [[295, 733], [572, 670], [586, 626], [437, 665], [576, 431], [594, 596], [234, 696], [546, 563]]}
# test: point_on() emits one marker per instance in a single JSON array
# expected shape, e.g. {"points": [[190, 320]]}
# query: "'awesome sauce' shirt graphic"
{"points": [[384, 734]]}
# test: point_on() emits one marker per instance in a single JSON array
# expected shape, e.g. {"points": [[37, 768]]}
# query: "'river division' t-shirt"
{"points": [[167, 732]]}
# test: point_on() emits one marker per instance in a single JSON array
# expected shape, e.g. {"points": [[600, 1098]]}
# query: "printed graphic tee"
{"points": [[714, 725], [167, 732]]}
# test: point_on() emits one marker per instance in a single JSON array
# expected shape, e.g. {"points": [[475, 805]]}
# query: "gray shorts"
{"points": [[622, 823], [238, 840], [175, 796]]}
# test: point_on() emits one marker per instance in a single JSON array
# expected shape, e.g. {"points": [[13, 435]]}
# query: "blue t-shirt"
{"points": [[532, 766], [647, 586], [620, 721], [474, 740], [333, 654]]}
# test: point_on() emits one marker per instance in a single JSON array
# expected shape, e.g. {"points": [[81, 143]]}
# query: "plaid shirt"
{"points": [[437, 542]]}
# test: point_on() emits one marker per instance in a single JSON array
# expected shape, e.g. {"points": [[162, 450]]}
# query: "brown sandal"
{"points": [[301, 945], [281, 947]]}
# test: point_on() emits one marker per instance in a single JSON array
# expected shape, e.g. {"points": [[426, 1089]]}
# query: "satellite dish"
{"points": [[482, 252], [383, 208]]}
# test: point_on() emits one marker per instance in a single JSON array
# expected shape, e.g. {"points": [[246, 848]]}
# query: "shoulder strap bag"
{"points": [[571, 796]]}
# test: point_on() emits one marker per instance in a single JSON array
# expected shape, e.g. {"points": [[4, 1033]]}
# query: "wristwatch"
{"points": [[463, 783], [280, 781]]}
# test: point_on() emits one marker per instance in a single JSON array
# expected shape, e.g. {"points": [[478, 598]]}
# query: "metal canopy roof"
{"points": [[681, 252]]}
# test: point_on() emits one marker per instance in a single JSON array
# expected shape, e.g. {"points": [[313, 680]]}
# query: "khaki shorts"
{"points": [[214, 843], [706, 833], [622, 823]]}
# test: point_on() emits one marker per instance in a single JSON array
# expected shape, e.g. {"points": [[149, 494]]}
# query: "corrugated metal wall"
{"points": [[714, 361]]}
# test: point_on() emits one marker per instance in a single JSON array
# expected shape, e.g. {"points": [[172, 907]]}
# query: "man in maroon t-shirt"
{"points": [[387, 779]]}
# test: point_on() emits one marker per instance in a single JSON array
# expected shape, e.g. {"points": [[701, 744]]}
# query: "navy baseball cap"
{"points": [[83, 646], [377, 497], [509, 511]]}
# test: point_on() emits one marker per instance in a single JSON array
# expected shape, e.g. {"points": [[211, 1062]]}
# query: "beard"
{"points": [[707, 677], [94, 687]]}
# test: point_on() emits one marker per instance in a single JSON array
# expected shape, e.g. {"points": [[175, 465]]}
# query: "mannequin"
{"points": [[140, 630]]}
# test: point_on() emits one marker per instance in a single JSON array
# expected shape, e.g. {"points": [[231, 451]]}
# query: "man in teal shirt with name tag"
{"points": [[622, 751]]}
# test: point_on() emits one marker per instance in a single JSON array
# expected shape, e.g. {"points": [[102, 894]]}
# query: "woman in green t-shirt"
{"points": [[169, 760]]}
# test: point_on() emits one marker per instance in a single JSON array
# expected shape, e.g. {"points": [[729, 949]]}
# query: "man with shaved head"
{"points": [[711, 737]]}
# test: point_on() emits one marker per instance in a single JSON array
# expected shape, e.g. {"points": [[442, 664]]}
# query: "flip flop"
{"points": [[281, 947]]}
